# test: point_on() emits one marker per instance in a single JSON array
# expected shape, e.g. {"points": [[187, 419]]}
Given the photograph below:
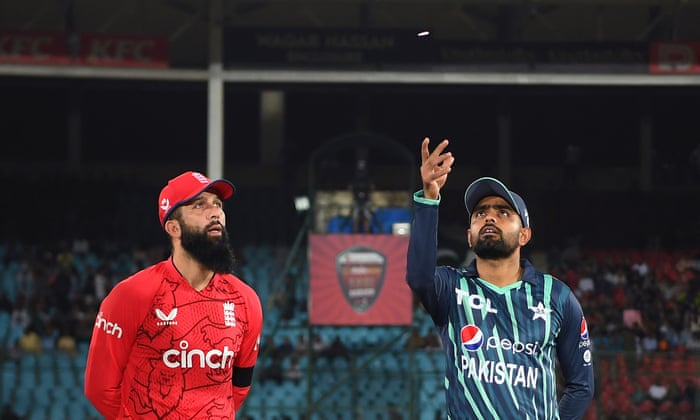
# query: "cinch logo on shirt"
{"points": [[186, 359], [111, 328]]}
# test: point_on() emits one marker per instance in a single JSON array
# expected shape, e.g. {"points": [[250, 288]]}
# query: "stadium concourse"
{"points": [[643, 309]]}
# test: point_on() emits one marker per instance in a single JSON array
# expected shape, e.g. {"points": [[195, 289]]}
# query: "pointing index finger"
{"points": [[425, 152]]}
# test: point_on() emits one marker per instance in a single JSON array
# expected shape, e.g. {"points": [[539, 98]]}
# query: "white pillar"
{"points": [[215, 111], [271, 127]]}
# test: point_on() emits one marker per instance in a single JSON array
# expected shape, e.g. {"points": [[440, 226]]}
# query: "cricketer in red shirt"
{"points": [[180, 338]]}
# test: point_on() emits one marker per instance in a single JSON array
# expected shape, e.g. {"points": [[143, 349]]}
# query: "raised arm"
{"points": [[422, 248], [434, 168]]}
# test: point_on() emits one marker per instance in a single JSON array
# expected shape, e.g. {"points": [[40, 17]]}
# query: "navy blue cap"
{"points": [[486, 186]]}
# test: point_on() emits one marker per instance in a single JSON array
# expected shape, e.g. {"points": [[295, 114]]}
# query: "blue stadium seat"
{"points": [[339, 224], [4, 328], [386, 217], [58, 411], [78, 409], [23, 400], [38, 412]]}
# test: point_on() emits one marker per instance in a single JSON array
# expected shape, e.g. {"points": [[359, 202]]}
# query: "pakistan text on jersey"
{"points": [[488, 371]]}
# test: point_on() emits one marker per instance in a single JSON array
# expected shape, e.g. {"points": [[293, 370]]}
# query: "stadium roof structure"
{"points": [[201, 34]]}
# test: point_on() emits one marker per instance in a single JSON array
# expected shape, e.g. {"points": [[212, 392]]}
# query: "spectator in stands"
{"points": [[692, 343], [285, 297], [20, 320], [394, 413], [497, 305], [415, 340], [675, 393], [690, 391], [5, 303], [61, 284], [24, 280], [301, 345], [586, 284], [361, 187], [185, 324], [272, 370], [66, 343], [100, 282], [80, 323], [8, 413], [284, 349], [337, 349], [650, 340], [292, 370], [30, 342], [657, 390], [39, 314], [318, 344], [49, 337], [432, 341], [639, 394]]}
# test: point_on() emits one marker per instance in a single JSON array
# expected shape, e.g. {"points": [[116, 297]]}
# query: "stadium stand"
{"points": [[380, 368]]}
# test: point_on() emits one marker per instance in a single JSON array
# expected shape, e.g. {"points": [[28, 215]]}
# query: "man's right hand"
{"points": [[434, 168]]}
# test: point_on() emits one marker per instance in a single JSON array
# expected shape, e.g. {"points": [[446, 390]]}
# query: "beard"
{"points": [[213, 253], [493, 249]]}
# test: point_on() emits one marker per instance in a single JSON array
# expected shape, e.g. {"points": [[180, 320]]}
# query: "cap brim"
{"points": [[221, 187], [484, 187]]}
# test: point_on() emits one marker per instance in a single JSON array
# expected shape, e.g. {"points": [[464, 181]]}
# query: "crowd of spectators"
{"points": [[52, 293], [637, 303], [643, 312]]}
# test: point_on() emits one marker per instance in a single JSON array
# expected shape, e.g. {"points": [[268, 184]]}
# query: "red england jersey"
{"points": [[162, 350]]}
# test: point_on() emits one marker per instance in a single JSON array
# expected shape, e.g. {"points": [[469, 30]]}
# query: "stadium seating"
{"points": [[382, 372]]}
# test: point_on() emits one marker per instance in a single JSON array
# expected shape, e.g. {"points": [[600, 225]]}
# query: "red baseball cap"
{"points": [[185, 187]]}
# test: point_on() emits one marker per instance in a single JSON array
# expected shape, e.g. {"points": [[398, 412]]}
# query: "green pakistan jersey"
{"points": [[502, 345]]}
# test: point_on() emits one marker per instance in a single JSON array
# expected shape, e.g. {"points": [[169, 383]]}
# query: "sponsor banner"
{"points": [[675, 58], [381, 49], [359, 280], [292, 47], [46, 48]]}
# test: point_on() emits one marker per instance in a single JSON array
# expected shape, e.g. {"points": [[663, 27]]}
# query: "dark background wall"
{"points": [[136, 135]]}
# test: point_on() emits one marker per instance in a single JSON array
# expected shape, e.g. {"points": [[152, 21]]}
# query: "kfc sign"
{"points": [[83, 49], [32, 48], [675, 58], [124, 51]]}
